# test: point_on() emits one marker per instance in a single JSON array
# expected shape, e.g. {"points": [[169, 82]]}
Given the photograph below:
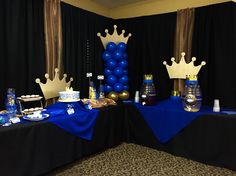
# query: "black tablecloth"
{"points": [[38, 147], [209, 139]]}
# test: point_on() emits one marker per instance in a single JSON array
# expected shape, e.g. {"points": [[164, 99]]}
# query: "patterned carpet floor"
{"points": [[136, 160]]}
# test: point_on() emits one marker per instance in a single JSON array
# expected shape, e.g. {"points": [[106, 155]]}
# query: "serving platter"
{"points": [[33, 117]]}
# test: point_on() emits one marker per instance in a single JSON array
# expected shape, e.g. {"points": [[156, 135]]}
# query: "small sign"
{"points": [[89, 75], [100, 77]]}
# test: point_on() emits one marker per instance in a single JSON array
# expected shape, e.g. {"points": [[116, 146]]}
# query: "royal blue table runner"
{"points": [[168, 117], [80, 123]]}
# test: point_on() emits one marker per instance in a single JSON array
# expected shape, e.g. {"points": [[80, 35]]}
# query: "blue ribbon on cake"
{"points": [[80, 123], [167, 118]]}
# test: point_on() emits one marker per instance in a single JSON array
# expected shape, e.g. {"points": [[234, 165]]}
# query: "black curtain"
{"points": [[82, 48], [151, 43], [21, 46], [214, 40]]}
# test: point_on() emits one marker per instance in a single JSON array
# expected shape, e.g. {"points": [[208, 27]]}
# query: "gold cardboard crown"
{"points": [[114, 37], [181, 69], [52, 88]]}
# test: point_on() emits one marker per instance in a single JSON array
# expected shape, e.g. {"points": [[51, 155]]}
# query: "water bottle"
{"points": [[101, 93], [192, 96], [92, 91], [10, 103], [148, 91]]}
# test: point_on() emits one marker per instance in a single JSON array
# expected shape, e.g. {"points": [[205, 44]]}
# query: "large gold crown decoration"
{"points": [[114, 37], [181, 69], [52, 88]]}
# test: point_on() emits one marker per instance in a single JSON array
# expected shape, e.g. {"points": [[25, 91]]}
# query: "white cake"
{"points": [[69, 96]]}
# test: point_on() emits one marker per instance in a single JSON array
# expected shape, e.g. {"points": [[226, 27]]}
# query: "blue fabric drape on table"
{"points": [[167, 118], [80, 123]]}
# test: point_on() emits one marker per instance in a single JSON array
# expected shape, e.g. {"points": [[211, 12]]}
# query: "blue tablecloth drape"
{"points": [[80, 123], [168, 117]]}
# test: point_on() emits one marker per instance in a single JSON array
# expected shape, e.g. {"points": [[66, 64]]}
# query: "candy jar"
{"points": [[148, 91], [10, 103], [192, 96]]}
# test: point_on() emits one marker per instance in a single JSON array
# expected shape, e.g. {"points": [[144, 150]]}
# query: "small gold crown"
{"points": [[114, 37], [148, 77], [191, 77], [181, 69], [52, 88], [69, 89]]}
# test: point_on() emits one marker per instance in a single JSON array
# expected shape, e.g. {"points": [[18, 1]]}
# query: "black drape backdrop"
{"points": [[214, 40], [21, 46], [151, 43], [80, 28]]}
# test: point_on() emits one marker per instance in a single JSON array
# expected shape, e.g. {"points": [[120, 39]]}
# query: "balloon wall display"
{"points": [[115, 71], [116, 64]]}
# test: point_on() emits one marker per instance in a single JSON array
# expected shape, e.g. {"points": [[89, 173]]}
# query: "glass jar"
{"points": [[10, 103], [192, 96], [148, 91]]}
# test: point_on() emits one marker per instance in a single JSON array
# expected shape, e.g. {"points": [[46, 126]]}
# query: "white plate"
{"points": [[69, 100], [35, 118]]}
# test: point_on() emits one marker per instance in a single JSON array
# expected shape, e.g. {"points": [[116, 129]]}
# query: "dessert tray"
{"points": [[36, 117], [26, 98]]}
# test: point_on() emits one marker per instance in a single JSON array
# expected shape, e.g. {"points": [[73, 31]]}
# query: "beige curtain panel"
{"points": [[53, 36], [183, 39]]}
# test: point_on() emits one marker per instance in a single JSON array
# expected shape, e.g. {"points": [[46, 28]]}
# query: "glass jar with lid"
{"points": [[148, 91], [10, 103], [191, 96]]}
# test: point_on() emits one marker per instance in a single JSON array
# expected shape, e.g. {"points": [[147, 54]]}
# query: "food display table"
{"points": [[34, 148]]}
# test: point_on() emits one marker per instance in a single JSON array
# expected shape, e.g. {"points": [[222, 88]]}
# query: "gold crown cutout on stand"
{"points": [[52, 88], [181, 69], [114, 37]]}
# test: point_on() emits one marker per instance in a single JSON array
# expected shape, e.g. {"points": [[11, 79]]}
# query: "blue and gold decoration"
{"points": [[179, 71], [116, 64]]}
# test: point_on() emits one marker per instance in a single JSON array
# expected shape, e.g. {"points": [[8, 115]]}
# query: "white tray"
{"points": [[35, 118]]}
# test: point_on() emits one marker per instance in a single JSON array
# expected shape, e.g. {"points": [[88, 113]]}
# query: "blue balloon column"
{"points": [[116, 73]]}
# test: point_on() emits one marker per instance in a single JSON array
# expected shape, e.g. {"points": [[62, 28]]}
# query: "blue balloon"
{"points": [[121, 46], [111, 63], [125, 87], [123, 64], [111, 80], [107, 88], [123, 79], [111, 46], [117, 55], [118, 87], [125, 55], [118, 71], [106, 55], [125, 72], [107, 72]]}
